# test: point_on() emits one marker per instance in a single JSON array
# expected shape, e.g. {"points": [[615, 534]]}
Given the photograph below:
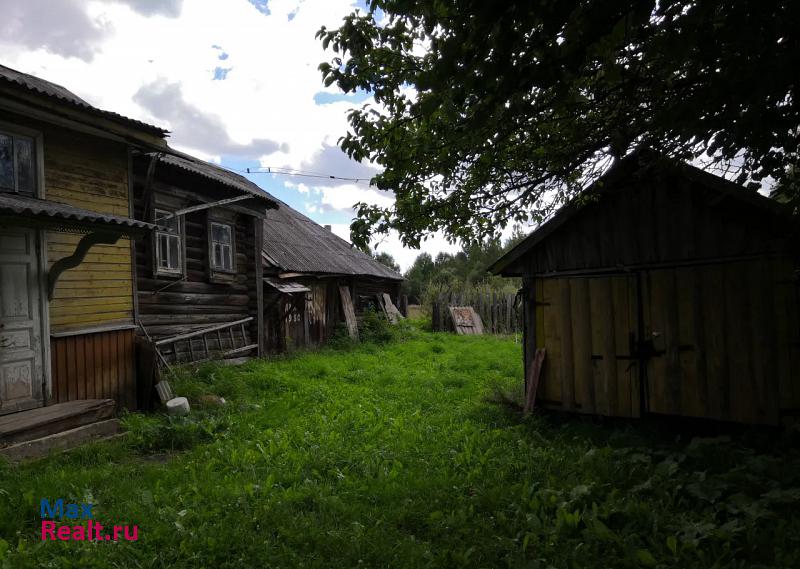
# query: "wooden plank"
{"points": [[349, 312], [62, 379], [623, 298], [694, 394], [567, 347], [43, 421], [80, 368], [580, 317], [672, 342], [61, 441], [89, 367], [784, 311], [604, 344], [739, 344], [72, 372], [549, 337], [758, 282], [532, 381]]}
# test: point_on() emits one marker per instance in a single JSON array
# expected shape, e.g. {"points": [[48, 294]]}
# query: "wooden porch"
{"points": [[55, 428]]}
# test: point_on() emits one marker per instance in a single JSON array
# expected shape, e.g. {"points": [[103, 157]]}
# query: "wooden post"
{"points": [[528, 324], [258, 231]]}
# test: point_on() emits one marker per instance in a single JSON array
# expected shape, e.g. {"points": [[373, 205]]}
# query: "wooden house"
{"points": [[664, 289], [66, 226], [312, 278], [198, 280]]}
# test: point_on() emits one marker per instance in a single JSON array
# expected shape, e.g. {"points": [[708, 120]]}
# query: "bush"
{"points": [[375, 328]]}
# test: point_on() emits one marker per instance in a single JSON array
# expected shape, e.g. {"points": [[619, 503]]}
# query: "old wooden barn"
{"points": [[312, 277], [664, 289]]}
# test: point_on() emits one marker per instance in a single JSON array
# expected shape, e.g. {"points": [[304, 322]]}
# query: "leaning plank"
{"points": [[466, 321], [349, 312], [532, 383], [392, 313], [62, 441]]}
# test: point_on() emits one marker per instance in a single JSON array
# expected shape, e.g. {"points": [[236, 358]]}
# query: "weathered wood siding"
{"points": [[289, 329], [725, 340], [175, 305], [90, 173], [660, 221], [94, 366]]}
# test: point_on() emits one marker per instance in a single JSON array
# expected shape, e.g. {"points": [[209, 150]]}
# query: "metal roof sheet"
{"points": [[215, 173], [298, 244], [48, 89], [66, 215]]}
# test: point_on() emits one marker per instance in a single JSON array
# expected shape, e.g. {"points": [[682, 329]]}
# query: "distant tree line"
{"points": [[465, 269]]}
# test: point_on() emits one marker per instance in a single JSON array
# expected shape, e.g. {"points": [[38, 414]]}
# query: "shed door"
{"points": [[588, 327], [724, 340], [21, 371]]}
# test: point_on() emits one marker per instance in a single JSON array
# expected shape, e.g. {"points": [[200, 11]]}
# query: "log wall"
{"points": [[170, 305]]}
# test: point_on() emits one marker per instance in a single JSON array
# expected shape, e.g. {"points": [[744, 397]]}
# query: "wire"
{"points": [[290, 172]]}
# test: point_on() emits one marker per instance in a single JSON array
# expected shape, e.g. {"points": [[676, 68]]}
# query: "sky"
{"points": [[236, 83]]}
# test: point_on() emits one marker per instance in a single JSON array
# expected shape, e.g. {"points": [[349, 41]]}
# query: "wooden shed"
{"points": [[312, 276], [664, 289]]}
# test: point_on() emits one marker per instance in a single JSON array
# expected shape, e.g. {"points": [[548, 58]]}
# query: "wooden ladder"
{"points": [[215, 342]]}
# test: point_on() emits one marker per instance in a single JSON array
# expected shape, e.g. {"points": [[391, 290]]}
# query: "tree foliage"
{"points": [[466, 268], [488, 113], [387, 260]]}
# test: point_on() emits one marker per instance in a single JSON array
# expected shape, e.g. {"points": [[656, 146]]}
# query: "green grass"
{"points": [[394, 456]]}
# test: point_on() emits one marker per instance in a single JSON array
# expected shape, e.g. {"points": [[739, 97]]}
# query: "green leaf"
{"points": [[645, 558], [672, 544]]}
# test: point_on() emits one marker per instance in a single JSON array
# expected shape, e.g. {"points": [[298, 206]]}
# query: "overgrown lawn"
{"points": [[395, 456]]}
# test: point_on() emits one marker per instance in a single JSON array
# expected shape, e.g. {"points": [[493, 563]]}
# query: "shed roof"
{"points": [[56, 92], [638, 167], [295, 243], [215, 173], [67, 216]]}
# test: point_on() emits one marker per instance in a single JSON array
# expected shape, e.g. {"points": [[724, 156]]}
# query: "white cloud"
{"points": [[156, 61]]}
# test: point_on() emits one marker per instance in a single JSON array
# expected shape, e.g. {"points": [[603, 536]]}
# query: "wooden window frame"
{"points": [[209, 230], [158, 270], [15, 130]]}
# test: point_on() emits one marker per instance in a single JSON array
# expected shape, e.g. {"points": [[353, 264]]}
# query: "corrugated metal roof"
{"points": [[48, 89], [65, 215], [286, 287], [215, 173], [298, 244]]}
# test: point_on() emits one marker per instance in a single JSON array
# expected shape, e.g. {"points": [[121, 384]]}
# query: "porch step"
{"points": [[44, 421], [64, 440]]}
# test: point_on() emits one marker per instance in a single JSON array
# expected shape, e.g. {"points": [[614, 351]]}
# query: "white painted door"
{"points": [[21, 360]]}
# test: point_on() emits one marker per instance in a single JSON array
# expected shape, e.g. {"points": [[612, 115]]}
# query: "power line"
{"points": [[290, 172]]}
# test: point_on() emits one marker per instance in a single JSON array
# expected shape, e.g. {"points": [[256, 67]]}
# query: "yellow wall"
{"points": [[90, 173]]}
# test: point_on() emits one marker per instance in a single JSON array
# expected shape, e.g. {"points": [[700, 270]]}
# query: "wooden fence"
{"points": [[500, 312]]}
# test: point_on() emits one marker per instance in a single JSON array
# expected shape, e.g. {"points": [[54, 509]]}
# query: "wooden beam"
{"points": [[205, 206]]}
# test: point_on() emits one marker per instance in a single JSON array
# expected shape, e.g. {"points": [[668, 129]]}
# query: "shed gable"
{"points": [[656, 216]]}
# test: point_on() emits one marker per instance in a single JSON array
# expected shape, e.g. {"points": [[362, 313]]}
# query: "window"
{"points": [[168, 244], [17, 163], [221, 247]]}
